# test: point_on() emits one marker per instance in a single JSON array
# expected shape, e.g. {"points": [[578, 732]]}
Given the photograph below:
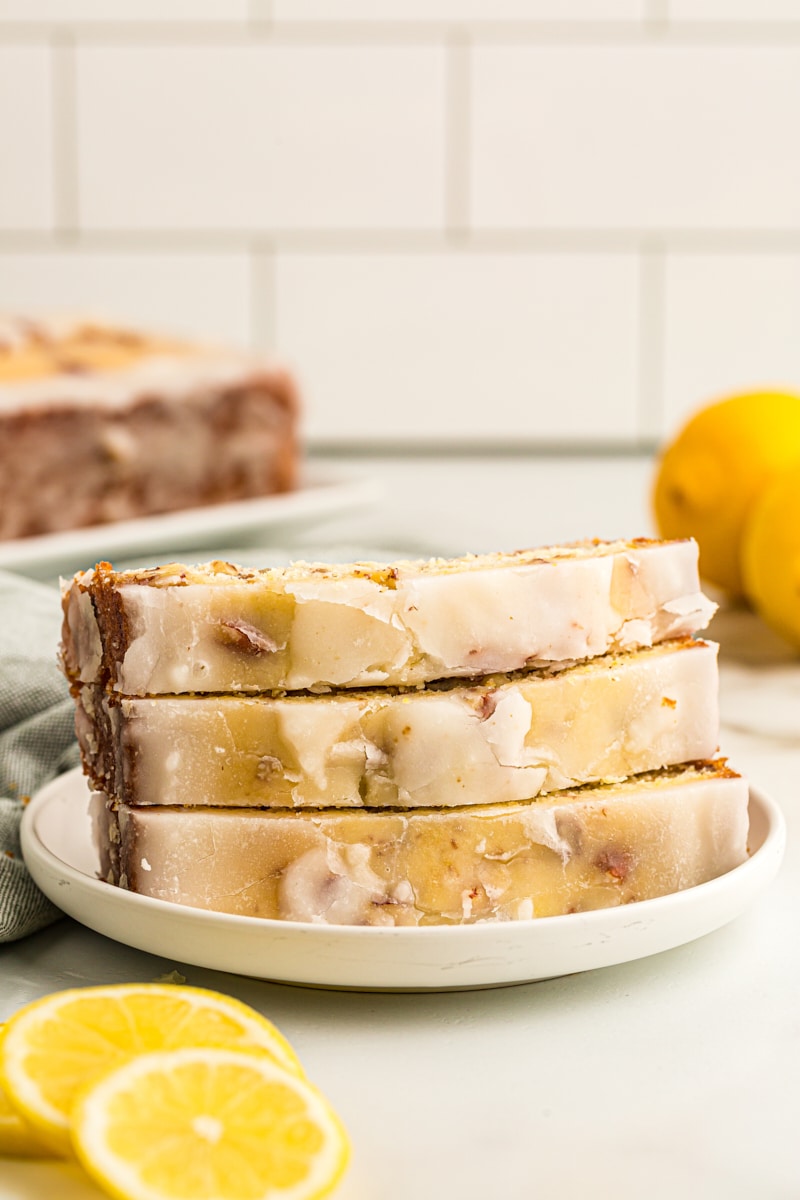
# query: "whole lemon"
{"points": [[771, 555], [709, 477]]}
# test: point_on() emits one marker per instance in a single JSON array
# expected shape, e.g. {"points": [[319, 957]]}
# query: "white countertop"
{"points": [[675, 1075]]}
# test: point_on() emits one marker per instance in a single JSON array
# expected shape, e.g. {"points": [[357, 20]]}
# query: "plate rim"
{"points": [[60, 877]]}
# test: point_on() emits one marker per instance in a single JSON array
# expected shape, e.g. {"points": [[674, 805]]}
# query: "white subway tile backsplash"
{"points": [[26, 138], [732, 325], [65, 12], [461, 346], [641, 137], [568, 231], [261, 137], [457, 10], [200, 295]]}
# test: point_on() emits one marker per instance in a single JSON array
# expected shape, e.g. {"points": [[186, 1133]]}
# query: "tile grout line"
{"points": [[66, 206], [517, 448], [259, 12], [434, 241], [457, 132], [260, 26], [656, 17], [400, 241], [437, 244]]}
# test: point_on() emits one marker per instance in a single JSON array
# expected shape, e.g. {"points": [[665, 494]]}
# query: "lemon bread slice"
{"points": [[570, 851], [503, 738], [222, 628]]}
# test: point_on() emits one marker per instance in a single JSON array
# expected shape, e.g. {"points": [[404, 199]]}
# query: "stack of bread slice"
{"points": [[499, 736]]}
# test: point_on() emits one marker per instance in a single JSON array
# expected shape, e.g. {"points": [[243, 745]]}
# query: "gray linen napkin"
{"points": [[37, 739]]}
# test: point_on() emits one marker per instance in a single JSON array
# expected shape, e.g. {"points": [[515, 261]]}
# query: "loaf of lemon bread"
{"points": [[100, 424]]}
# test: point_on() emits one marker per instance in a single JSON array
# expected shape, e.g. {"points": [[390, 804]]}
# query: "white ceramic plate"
{"points": [[321, 495], [56, 844]]}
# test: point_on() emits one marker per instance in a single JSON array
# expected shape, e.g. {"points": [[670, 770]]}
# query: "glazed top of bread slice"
{"points": [[219, 573], [71, 360], [222, 628]]}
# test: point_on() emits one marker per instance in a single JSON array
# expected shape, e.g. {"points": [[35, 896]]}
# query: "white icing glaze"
{"points": [[169, 376], [507, 728], [332, 885], [312, 731]]}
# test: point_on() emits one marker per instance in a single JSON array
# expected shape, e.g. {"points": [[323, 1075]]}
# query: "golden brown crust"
{"points": [[177, 574]]}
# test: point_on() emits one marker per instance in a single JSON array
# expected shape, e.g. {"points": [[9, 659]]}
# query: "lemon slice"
{"points": [[17, 1139], [197, 1124], [56, 1046]]}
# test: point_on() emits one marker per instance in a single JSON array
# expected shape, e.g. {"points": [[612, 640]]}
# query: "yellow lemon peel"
{"points": [[771, 556], [712, 473]]}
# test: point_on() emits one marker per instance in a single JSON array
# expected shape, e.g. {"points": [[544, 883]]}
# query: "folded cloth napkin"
{"points": [[37, 738]]}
